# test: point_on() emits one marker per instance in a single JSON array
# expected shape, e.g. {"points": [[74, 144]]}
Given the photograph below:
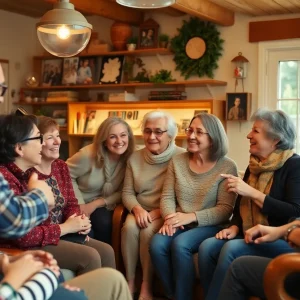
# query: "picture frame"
{"points": [[111, 69], [148, 34], [70, 67], [51, 73], [238, 106], [183, 125], [87, 70], [199, 111]]}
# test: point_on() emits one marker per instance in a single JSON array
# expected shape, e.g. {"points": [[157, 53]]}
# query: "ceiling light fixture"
{"points": [[63, 31], [147, 4]]}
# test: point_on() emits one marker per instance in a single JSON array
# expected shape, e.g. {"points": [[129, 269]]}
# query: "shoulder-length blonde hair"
{"points": [[99, 150]]}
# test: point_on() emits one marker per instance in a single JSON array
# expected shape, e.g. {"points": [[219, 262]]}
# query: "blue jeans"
{"points": [[172, 257], [215, 257], [63, 293]]}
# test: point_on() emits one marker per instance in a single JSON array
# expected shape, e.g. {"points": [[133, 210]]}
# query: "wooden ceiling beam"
{"points": [[170, 11], [206, 10], [108, 9]]}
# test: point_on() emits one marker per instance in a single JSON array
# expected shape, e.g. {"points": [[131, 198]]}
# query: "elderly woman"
{"points": [[98, 171], [23, 146], [268, 195], [145, 174], [194, 204]]}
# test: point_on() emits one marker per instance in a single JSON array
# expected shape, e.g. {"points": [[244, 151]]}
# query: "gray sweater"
{"points": [[205, 193]]}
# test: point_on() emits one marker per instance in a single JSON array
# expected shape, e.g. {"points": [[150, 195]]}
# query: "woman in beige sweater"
{"points": [[194, 204], [143, 182], [97, 173]]}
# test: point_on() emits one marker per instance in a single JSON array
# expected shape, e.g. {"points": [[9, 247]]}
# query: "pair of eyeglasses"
{"points": [[40, 137], [198, 132], [156, 132], [3, 89]]}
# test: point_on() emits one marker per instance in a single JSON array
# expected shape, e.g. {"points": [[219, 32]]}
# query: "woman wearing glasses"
{"points": [[194, 204], [25, 148], [97, 173], [145, 174]]}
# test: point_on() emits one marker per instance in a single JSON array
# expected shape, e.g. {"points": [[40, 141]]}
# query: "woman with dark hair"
{"points": [[194, 204], [269, 194], [98, 171], [22, 146]]}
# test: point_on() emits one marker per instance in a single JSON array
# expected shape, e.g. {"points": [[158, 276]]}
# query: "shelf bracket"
{"points": [[210, 91], [161, 61]]}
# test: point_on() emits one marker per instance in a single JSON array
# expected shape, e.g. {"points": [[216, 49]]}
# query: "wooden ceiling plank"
{"points": [[294, 3], [288, 6], [108, 9], [268, 7], [206, 10], [170, 11]]}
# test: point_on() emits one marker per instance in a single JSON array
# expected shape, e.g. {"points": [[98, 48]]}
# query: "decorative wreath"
{"points": [[193, 31]]}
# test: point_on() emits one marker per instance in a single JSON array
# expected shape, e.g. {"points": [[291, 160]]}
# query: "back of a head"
{"points": [[13, 130]]}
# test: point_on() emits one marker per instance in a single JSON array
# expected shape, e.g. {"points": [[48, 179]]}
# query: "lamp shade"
{"points": [[63, 31], [147, 4]]}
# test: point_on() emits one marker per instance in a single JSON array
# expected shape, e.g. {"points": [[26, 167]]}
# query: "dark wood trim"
{"points": [[274, 30]]}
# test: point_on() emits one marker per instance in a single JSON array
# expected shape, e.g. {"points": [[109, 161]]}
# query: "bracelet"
{"points": [[290, 229]]}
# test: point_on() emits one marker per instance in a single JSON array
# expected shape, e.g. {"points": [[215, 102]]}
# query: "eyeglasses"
{"points": [[3, 89], [40, 137], [156, 132], [198, 132]]}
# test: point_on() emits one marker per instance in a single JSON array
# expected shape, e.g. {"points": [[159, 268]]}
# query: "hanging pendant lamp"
{"points": [[147, 4], [63, 31]]}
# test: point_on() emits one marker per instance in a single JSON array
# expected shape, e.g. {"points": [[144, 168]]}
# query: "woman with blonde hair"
{"points": [[98, 171]]}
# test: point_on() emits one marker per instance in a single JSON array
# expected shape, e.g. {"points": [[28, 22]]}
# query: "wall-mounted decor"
{"points": [[148, 34], [111, 69], [201, 111], [238, 106], [197, 48], [86, 73], [240, 70], [4, 85], [51, 72], [70, 70]]}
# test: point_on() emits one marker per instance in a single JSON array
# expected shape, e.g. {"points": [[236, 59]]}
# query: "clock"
{"points": [[195, 48]]}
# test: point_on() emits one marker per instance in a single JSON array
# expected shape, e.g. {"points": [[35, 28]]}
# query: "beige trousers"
{"points": [[102, 284], [135, 243]]}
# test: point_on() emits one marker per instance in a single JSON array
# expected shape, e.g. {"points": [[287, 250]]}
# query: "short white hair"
{"points": [[158, 114]]}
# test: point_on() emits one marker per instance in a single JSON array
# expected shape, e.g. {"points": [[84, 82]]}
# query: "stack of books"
{"points": [[62, 96], [167, 95]]}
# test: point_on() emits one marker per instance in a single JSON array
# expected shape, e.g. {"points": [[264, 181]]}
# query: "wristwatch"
{"points": [[290, 229]]}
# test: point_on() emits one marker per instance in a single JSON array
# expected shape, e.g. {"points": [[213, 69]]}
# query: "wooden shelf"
{"points": [[204, 82], [138, 52], [41, 103]]}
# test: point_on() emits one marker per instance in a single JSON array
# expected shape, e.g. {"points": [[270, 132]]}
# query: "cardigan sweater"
{"points": [[283, 201], [144, 181], [48, 232], [88, 179], [205, 194]]}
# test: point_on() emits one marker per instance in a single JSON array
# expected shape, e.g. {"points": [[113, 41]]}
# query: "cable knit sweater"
{"points": [[145, 176], [205, 193], [48, 232]]}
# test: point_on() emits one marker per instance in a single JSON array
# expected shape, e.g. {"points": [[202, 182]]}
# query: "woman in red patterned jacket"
{"points": [[22, 146]]}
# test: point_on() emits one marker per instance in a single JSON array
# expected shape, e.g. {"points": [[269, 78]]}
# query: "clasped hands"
{"points": [[76, 224]]}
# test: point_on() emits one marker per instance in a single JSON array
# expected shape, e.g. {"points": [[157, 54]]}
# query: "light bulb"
{"points": [[63, 32]]}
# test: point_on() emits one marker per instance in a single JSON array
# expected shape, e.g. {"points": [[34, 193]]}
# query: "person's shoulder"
{"points": [[59, 163], [228, 163], [179, 150], [136, 155], [293, 162]]}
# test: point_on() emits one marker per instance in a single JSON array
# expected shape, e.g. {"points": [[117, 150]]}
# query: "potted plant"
{"points": [[131, 43], [163, 40]]}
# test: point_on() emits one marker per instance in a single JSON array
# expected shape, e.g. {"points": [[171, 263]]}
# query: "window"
{"points": [[279, 79]]}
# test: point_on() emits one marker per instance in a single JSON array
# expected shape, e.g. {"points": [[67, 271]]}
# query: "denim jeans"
{"points": [[215, 257], [172, 258]]}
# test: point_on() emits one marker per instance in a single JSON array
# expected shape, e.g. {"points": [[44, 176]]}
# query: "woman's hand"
{"points": [[155, 214], [71, 288], [86, 231], [89, 208], [18, 272], [142, 217], [179, 219], [167, 230], [228, 233], [75, 224]]}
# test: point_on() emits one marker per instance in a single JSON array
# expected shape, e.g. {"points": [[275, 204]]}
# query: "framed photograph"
{"points": [[70, 70], [183, 125], [90, 125], [87, 68], [111, 69], [238, 106], [51, 72], [148, 34]]}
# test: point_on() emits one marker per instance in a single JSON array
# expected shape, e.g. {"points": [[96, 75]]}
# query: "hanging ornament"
{"points": [[240, 70]]}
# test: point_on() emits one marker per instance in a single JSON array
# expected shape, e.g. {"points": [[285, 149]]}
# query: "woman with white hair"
{"points": [[144, 178]]}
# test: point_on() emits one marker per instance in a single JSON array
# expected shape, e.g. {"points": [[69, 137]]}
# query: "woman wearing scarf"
{"points": [[269, 194], [145, 173]]}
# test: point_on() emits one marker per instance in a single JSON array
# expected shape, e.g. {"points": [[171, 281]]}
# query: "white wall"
{"points": [[19, 43]]}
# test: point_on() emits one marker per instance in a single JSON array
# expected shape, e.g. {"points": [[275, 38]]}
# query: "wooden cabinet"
{"points": [[182, 110]]}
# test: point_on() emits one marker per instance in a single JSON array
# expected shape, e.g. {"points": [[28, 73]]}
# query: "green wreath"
{"points": [[206, 64]]}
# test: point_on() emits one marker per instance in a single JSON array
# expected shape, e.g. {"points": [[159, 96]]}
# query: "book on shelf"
{"points": [[155, 93], [60, 96], [166, 97], [125, 96]]}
